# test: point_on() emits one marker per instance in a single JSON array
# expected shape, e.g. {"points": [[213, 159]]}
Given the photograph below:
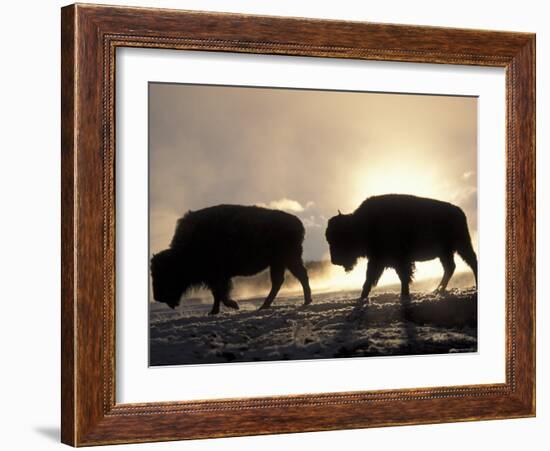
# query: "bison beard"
{"points": [[215, 244], [395, 231]]}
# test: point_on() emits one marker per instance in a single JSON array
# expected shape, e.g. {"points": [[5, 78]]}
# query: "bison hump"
{"points": [[236, 222]]}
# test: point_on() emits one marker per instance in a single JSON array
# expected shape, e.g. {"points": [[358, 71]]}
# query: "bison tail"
{"points": [[465, 249]]}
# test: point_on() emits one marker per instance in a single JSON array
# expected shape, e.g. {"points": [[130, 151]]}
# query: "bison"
{"points": [[395, 231], [215, 244]]}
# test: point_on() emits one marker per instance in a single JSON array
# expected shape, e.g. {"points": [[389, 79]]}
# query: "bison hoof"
{"points": [[214, 312], [264, 307], [405, 298], [308, 301], [232, 304]]}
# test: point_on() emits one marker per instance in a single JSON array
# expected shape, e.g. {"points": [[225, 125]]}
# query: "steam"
{"points": [[307, 152]]}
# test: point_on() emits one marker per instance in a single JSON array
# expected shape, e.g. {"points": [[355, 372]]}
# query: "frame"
{"points": [[90, 36]]}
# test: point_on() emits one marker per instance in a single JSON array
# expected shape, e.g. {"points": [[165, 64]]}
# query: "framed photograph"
{"points": [[279, 225]]}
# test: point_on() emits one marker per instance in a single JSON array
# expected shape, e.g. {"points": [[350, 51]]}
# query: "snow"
{"points": [[335, 325]]}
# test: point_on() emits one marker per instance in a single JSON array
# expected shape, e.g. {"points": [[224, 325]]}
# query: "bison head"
{"points": [[340, 236], [169, 280]]}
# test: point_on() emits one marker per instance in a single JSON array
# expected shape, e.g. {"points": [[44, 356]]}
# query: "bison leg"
{"points": [[449, 266], [374, 271], [299, 271], [277, 279], [220, 291], [405, 272], [216, 307], [469, 256]]}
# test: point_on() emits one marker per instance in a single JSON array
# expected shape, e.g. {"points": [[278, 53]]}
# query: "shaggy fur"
{"points": [[395, 231], [215, 244]]}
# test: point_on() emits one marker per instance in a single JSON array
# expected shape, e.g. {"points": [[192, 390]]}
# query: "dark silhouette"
{"points": [[212, 245], [395, 231]]}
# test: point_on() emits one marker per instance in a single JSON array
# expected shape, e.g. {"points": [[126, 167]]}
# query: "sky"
{"points": [[308, 152]]}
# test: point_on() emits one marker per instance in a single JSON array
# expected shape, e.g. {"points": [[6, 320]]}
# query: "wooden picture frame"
{"points": [[90, 36]]}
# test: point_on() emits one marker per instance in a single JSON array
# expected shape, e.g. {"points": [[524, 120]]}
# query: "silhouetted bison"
{"points": [[212, 245], [394, 231]]}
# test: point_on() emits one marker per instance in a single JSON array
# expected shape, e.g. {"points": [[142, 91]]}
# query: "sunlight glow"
{"points": [[408, 177]]}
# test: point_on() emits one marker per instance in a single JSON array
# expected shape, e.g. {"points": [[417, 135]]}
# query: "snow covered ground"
{"points": [[335, 325]]}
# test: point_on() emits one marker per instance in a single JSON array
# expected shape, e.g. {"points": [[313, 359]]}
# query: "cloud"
{"points": [[285, 204]]}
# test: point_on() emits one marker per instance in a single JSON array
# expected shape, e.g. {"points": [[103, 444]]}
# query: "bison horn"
{"points": [[339, 213]]}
